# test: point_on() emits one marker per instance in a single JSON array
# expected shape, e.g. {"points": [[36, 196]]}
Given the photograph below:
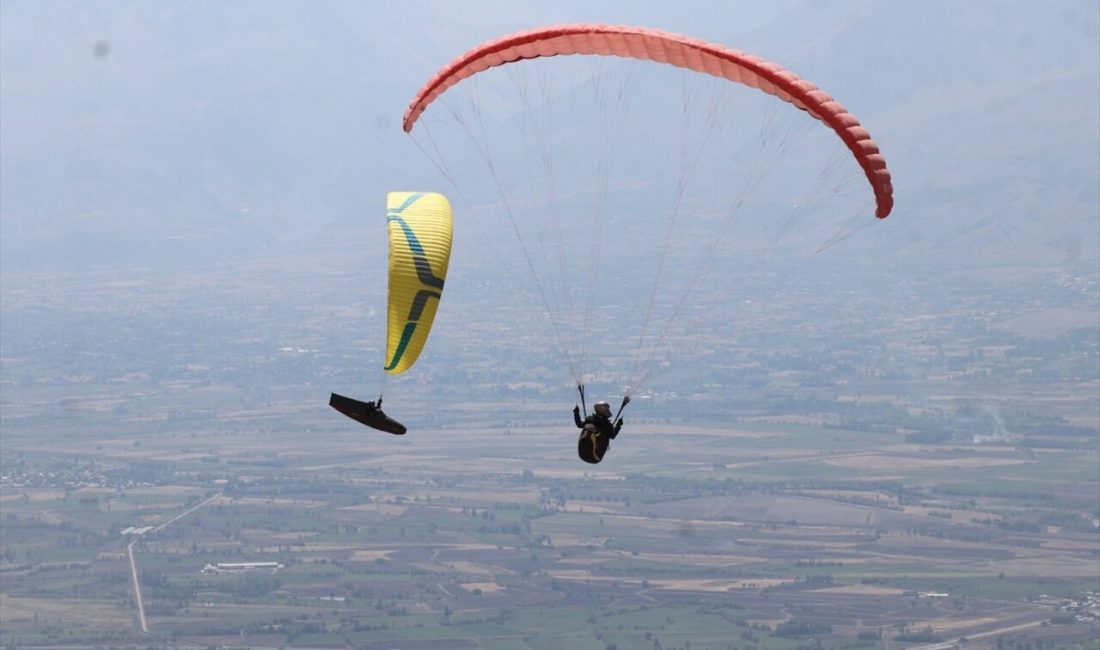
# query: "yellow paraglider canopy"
{"points": [[420, 250]]}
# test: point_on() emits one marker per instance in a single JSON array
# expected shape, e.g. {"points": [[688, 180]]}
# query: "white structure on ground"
{"points": [[242, 567]]}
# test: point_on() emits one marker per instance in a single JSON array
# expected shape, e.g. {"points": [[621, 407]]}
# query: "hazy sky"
{"points": [[126, 125], [170, 136]]}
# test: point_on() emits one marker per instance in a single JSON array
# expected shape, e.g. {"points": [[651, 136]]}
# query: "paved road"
{"points": [[137, 587], [133, 564], [184, 514], [953, 643]]}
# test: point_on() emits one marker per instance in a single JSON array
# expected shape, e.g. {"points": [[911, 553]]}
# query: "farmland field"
{"points": [[388, 542]]}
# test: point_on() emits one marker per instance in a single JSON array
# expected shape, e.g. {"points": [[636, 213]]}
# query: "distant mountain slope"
{"points": [[244, 129], [989, 115]]}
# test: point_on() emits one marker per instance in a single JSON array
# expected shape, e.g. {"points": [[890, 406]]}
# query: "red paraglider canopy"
{"points": [[677, 50]]}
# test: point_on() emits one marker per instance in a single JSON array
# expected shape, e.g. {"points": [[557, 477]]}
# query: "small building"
{"points": [[136, 530], [242, 567]]}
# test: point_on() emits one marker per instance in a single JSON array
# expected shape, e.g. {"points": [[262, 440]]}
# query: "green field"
{"points": [[381, 546]]}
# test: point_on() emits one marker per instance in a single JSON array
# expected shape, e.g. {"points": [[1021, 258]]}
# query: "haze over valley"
{"points": [[851, 432]]}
